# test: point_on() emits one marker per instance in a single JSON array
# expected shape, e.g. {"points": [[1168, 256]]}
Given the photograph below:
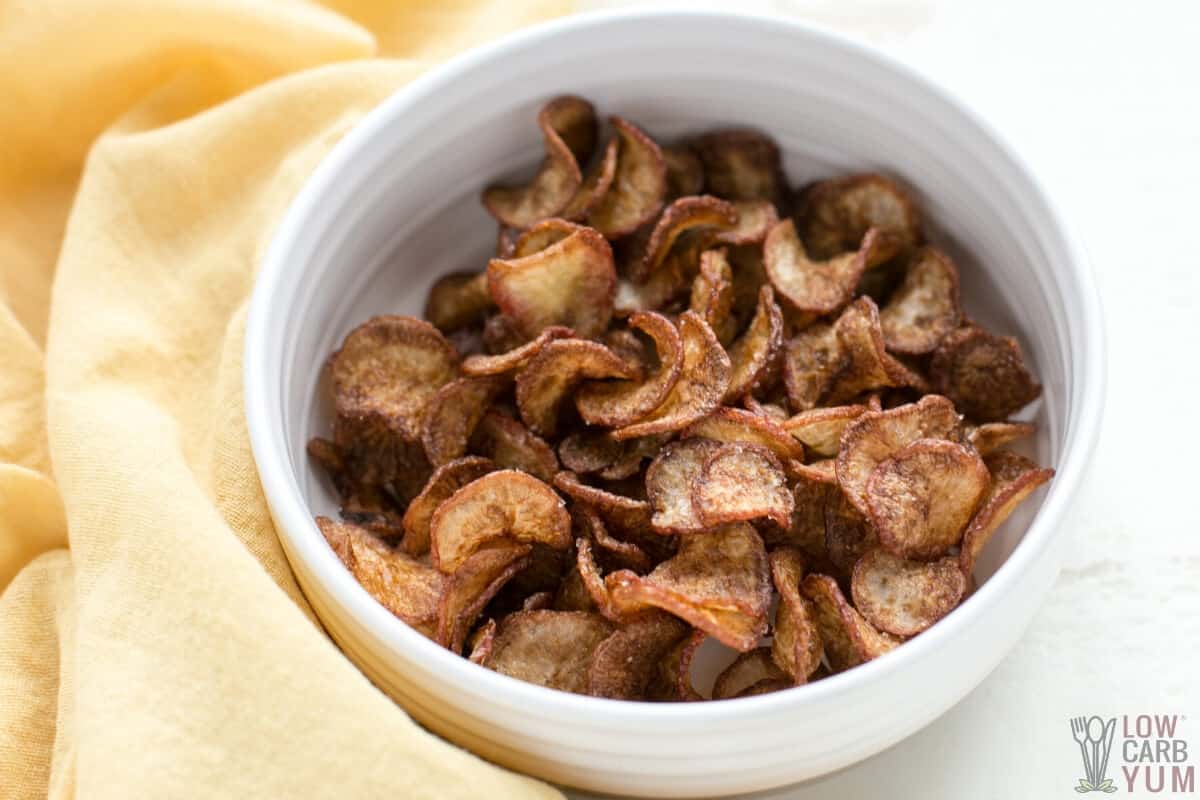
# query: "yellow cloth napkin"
{"points": [[147, 148]]}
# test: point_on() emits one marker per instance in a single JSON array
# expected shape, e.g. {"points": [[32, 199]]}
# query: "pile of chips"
{"points": [[682, 402]]}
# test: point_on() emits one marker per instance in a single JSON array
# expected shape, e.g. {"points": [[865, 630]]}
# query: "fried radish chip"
{"points": [[594, 451], [557, 368], [541, 235], [623, 513], [865, 365], [454, 411], [820, 429], [513, 446], [796, 647], [685, 173], [614, 551], [500, 505], [741, 164], [619, 403], [991, 436], [740, 482], [728, 425], [836, 214], [925, 307], [905, 597], [401, 584], [639, 187], [811, 359], [811, 286], [481, 643], [848, 639], [550, 648], [748, 670], [848, 534], [877, 435], [712, 294], [755, 355], [703, 379], [513, 360], [472, 585], [570, 283], [669, 481], [1013, 478], [985, 375], [674, 679], [458, 300], [687, 215], [568, 126], [718, 582], [388, 368], [445, 481], [755, 219], [921, 499], [596, 183], [626, 663]]}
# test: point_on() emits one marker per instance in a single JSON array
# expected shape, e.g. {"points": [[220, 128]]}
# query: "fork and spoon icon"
{"points": [[1094, 737]]}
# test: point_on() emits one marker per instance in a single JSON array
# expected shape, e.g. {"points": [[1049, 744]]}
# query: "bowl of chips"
{"points": [[673, 403]]}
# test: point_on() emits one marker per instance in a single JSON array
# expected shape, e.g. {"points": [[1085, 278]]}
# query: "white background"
{"points": [[1103, 99]]}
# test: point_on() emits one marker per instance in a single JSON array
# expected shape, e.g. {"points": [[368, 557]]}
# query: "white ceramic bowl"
{"points": [[396, 204]]}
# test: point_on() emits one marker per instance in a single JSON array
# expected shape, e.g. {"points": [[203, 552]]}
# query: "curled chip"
{"points": [[865, 364], [548, 377], [624, 513], [755, 219], [1013, 478], [742, 481], [877, 435], [712, 294], [674, 679], [905, 597], [748, 670], [570, 283], [848, 639], [925, 307], [568, 127], [703, 379], [836, 214], [807, 530], [454, 411], [472, 585], [618, 403], [388, 367], [983, 374], [817, 287], [595, 451], [541, 235], [513, 446], [687, 215], [481, 643], [991, 436], [741, 164], [401, 584], [537, 601], [513, 360], [669, 484], [848, 534], [596, 183], [921, 499], [685, 173], [796, 646], [820, 429], [458, 300], [626, 554], [501, 505], [730, 425], [637, 190], [755, 355], [718, 582], [550, 648], [625, 665], [810, 361], [445, 481], [772, 411]]}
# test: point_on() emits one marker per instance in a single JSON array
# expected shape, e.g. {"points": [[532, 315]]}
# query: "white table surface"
{"points": [[1103, 98]]}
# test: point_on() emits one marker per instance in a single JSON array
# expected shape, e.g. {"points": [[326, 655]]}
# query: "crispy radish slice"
{"points": [[472, 585], [728, 425], [401, 584], [685, 173], [865, 364], [513, 446], [623, 513], [755, 355], [755, 219], [674, 680], [905, 597], [712, 294], [481, 643], [445, 481], [541, 235], [836, 214], [669, 481], [454, 411], [823, 471], [377, 457], [596, 183], [1013, 478], [618, 403], [571, 283], [816, 287], [848, 534], [921, 499], [458, 300], [639, 188], [741, 164], [656, 294], [626, 663], [848, 639], [568, 127], [820, 429], [718, 582], [807, 530], [985, 375], [501, 505], [685, 215], [537, 601], [513, 360], [772, 411], [550, 648], [612, 550], [925, 307], [703, 379], [877, 435], [389, 367], [748, 670], [589, 451], [991, 436], [796, 647], [557, 368], [811, 359]]}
